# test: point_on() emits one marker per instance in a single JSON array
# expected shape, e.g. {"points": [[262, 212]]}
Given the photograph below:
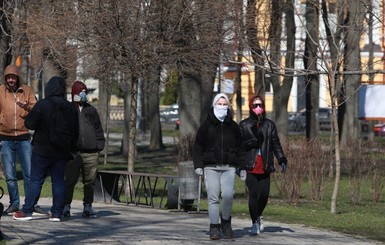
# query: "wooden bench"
{"points": [[124, 180]]}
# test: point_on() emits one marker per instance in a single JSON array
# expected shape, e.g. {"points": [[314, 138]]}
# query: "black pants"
{"points": [[259, 189]]}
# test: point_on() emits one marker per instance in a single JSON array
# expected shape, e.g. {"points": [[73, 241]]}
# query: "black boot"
{"points": [[226, 228], [215, 232]]}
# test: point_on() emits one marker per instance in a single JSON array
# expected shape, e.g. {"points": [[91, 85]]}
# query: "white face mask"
{"points": [[77, 98], [220, 111], [82, 96]]}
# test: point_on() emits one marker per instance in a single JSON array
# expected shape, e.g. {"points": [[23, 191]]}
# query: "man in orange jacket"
{"points": [[16, 100]]}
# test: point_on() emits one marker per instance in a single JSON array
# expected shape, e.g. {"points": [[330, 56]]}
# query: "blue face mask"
{"points": [[83, 96]]}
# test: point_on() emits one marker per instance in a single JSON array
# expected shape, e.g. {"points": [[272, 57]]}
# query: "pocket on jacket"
{"points": [[233, 157], [209, 157], [250, 158]]}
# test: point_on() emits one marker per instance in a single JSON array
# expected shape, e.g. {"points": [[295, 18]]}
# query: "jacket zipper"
{"points": [[15, 110], [222, 143]]}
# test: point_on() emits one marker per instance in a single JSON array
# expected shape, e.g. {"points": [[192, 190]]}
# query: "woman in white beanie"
{"points": [[216, 156]]}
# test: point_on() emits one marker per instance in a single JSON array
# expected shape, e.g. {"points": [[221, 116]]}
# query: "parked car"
{"points": [[169, 114], [379, 129], [297, 122]]}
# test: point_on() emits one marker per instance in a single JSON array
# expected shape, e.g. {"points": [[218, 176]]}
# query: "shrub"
{"points": [[358, 164], [289, 183]]}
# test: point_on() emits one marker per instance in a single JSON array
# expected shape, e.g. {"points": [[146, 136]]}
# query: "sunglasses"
{"points": [[256, 105]]}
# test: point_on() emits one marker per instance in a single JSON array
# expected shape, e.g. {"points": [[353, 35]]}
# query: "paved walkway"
{"points": [[121, 224]]}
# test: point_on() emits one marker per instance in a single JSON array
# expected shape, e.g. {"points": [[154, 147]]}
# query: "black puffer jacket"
{"points": [[217, 143], [268, 143]]}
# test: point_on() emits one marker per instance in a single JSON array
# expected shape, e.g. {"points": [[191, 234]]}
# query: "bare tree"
{"points": [[253, 32], [282, 90], [344, 59], [310, 62]]}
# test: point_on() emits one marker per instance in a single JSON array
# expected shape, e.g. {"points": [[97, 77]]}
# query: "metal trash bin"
{"points": [[188, 185]]}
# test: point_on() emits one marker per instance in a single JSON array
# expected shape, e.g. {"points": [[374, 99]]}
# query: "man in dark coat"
{"points": [[49, 158]]}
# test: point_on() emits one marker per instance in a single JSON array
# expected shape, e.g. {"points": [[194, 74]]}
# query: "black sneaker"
{"points": [[10, 210], [88, 211], [227, 230], [67, 211], [215, 231], [37, 210]]}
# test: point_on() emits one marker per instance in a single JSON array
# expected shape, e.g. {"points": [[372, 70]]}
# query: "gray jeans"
{"points": [[219, 180]]}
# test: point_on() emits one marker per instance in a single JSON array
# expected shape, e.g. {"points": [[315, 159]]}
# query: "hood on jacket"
{"points": [[56, 86], [254, 98], [12, 70], [218, 96], [77, 87]]}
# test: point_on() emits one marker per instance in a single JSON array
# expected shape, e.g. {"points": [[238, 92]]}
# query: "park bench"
{"points": [[118, 182]]}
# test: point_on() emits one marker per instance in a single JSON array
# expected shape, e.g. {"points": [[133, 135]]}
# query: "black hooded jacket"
{"points": [[217, 143], [39, 119]]}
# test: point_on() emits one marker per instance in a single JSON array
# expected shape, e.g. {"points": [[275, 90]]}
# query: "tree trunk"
{"points": [[333, 208], [132, 125], [310, 63], [281, 108], [207, 86], [127, 115], [189, 103], [238, 91], [256, 50], [275, 32], [104, 112], [156, 141], [354, 31]]}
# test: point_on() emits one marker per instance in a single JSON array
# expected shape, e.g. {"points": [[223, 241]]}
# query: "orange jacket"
{"points": [[11, 115]]}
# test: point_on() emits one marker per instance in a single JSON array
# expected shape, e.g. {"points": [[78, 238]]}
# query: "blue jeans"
{"points": [[9, 151], [219, 180], [41, 167]]}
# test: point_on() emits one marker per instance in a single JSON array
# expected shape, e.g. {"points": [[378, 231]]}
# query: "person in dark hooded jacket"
{"points": [[216, 155], [260, 143], [47, 158]]}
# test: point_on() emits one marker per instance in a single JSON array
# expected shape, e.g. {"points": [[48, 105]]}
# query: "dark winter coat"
{"points": [[217, 143], [40, 120], [91, 135], [264, 137]]}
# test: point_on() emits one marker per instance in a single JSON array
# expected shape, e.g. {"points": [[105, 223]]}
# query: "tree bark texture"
{"points": [[310, 63]]}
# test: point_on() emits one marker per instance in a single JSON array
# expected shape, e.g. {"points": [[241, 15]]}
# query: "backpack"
{"points": [[62, 131]]}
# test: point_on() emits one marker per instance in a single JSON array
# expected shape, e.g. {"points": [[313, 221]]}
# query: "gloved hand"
{"points": [[283, 167], [283, 163], [199, 171], [243, 175]]}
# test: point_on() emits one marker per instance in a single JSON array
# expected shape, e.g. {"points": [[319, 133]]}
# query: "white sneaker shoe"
{"points": [[255, 229], [260, 223]]}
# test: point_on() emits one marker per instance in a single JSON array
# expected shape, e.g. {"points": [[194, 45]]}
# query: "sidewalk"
{"points": [[122, 224]]}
